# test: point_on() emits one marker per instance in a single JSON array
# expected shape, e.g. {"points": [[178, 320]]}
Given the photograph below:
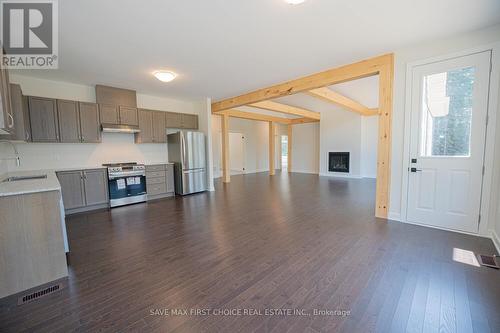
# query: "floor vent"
{"points": [[39, 293]]}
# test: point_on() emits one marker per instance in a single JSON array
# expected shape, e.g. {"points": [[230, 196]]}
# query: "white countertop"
{"points": [[29, 186]]}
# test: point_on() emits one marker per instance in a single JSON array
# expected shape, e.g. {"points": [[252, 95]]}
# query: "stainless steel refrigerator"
{"points": [[186, 149]]}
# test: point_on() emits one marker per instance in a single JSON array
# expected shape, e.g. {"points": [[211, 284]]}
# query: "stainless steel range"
{"points": [[126, 183]]}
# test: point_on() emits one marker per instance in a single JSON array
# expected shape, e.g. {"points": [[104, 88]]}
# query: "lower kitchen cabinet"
{"points": [[84, 190], [159, 181]]}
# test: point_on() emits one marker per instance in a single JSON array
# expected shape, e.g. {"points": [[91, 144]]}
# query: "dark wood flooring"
{"points": [[286, 242]]}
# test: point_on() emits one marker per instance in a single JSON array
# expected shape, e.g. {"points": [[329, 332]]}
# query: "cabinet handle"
{"points": [[11, 122], [27, 136], [83, 138]]}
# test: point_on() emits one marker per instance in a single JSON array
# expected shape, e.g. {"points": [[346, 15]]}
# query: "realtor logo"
{"points": [[29, 33]]}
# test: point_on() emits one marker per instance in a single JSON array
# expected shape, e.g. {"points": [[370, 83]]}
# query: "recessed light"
{"points": [[294, 2], [165, 76]]}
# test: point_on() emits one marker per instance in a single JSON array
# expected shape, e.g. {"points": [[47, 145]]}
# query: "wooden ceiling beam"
{"points": [[340, 74], [253, 116], [302, 121], [331, 96], [286, 109]]}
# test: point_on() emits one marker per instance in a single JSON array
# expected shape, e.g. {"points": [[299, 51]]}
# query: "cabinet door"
{"points": [[189, 121], [173, 120], [109, 114], [159, 128], [7, 118], [89, 122], [72, 189], [43, 119], [146, 127], [96, 187], [19, 110], [128, 116], [170, 178], [69, 121]]}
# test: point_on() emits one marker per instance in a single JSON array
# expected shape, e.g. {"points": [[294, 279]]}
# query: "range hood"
{"points": [[112, 128]]}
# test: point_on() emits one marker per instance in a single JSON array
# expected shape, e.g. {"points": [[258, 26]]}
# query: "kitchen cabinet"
{"points": [[6, 116], [90, 126], [43, 119], [109, 114], [189, 121], [96, 187], [72, 189], [128, 116], [173, 120], [159, 181], [84, 190], [146, 127], [69, 121], [159, 129], [22, 131]]}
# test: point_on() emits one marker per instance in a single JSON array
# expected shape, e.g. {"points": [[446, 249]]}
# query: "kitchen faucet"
{"points": [[18, 161]]}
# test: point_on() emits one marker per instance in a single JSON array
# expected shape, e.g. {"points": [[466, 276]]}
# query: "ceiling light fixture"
{"points": [[294, 2], [165, 76]]}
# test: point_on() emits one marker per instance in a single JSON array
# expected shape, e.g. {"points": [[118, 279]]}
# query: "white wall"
{"points": [[115, 147], [369, 145], [305, 148]]}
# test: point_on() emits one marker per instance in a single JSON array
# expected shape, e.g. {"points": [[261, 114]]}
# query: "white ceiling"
{"points": [[222, 48]]}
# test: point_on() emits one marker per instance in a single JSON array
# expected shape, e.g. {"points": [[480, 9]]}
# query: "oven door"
{"points": [[125, 189]]}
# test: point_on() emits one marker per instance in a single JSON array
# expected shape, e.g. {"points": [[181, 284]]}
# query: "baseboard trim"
{"points": [[496, 240], [304, 171], [395, 216]]}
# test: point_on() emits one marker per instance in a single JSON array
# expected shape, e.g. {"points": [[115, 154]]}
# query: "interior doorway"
{"points": [[236, 153], [284, 152]]}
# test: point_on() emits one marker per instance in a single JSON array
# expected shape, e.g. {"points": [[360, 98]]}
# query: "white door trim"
{"points": [[489, 192]]}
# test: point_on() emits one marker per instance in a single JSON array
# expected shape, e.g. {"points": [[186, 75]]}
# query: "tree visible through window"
{"points": [[447, 113]]}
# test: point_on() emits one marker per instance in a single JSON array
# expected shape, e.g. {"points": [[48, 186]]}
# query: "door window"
{"points": [[447, 113]]}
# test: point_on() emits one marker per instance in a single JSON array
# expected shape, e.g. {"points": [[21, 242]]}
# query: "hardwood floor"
{"points": [[290, 241]]}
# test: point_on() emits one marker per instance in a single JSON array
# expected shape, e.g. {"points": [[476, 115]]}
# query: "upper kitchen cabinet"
{"points": [[19, 104], [146, 127], [159, 127], [69, 121], [43, 119], [6, 116], [189, 121], [115, 96], [173, 120], [89, 123], [128, 116], [109, 114]]}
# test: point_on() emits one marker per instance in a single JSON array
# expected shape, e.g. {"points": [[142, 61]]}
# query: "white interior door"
{"points": [[236, 153], [448, 130]]}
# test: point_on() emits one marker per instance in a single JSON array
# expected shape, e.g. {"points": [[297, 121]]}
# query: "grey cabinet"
{"points": [[159, 128], [19, 109], [146, 127], [189, 121], [159, 181], [90, 126], [6, 115], [128, 116], [96, 187], [84, 190], [109, 114], [72, 188], [69, 121], [43, 119], [170, 178], [173, 120]]}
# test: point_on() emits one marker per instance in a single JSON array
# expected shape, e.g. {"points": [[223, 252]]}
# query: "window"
{"points": [[447, 113]]}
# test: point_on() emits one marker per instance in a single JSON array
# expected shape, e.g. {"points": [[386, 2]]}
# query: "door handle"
{"points": [[415, 170]]}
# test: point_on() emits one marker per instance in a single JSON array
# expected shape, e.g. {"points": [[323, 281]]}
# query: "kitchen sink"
{"points": [[18, 178]]}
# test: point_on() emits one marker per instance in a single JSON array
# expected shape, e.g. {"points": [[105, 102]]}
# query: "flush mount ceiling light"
{"points": [[165, 76], [294, 2]]}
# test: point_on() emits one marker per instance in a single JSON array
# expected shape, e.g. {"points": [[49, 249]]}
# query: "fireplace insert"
{"points": [[338, 162]]}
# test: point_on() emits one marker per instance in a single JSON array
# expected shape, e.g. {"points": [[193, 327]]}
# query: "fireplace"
{"points": [[338, 162]]}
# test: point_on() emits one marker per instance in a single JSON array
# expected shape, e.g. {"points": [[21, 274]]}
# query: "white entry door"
{"points": [[448, 131], [236, 153]]}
